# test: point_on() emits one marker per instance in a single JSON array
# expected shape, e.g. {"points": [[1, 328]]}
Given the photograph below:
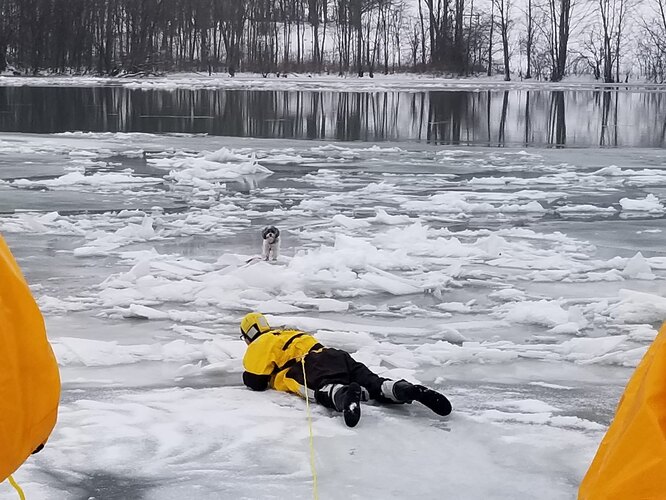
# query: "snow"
{"points": [[347, 83], [509, 280], [648, 204]]}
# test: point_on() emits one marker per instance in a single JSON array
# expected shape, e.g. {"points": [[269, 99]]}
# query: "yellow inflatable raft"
{"points": [[29, 378], [630, 463]]}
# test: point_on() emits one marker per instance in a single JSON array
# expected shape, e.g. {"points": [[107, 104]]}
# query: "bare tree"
{"points": [[423, 37], [459, 57], [504, 22], [529, 38], [607, 13], [652, 43], [438, 28], [593, 53], [109, 36], [232, 15], [490, 39], [541, 59], [623, 7], [412, 33], [557, 34]]}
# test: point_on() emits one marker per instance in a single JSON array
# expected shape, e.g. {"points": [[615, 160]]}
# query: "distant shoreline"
{"points": [[400, 82]]}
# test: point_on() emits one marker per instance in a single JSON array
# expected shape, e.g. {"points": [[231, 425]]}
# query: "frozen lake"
{"points": [[523, 283]]}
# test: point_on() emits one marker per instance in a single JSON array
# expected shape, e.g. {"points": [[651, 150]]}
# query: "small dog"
{"points": [[271, 244]]}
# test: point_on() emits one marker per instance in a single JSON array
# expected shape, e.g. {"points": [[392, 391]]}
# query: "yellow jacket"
{"points": [[268, 358], [29, 379]]}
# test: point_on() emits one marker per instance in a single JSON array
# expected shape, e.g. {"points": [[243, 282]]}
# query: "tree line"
{"points": [[542, 39]]}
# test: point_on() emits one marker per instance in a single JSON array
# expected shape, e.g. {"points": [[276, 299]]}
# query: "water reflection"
{"points": [[557, 130], [497, 118]]}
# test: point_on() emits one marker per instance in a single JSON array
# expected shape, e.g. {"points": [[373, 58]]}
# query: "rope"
{"points": [[17, 488], [312, 450]]}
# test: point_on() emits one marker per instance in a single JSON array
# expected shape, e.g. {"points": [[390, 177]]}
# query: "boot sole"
{"points": [[437, 402], [352, 405]]}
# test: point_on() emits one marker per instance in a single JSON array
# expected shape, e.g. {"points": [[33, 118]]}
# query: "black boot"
{"points": [[406, 392], [347, 399]]}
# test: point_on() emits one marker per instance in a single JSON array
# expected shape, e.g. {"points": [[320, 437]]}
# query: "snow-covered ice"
{"points": [[524, 285], [348, 83]]}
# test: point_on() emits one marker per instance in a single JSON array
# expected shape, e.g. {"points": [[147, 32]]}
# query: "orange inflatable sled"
{"points": [[630, 463], [29, 378]]}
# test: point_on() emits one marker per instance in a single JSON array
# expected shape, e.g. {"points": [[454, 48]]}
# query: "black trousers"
{"points": [[334, 366]]}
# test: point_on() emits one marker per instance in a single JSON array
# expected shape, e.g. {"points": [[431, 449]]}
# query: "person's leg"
{"points": [[328, 383], [365, 377], [386, 390], [342, 398], [321, 368], [401, 391]]}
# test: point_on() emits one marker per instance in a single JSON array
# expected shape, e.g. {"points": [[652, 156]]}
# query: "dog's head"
{"points": [[270, 233]]}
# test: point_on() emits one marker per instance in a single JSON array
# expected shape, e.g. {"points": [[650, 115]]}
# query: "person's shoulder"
{"points": [[264, 338], [279, 330], [259, 347], [291, 331]]}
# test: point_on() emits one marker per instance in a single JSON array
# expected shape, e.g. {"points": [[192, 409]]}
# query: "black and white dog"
{"points": [[271, 244]]}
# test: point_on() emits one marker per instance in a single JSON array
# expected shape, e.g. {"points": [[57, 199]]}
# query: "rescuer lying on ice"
{"points": [[334, 379]]}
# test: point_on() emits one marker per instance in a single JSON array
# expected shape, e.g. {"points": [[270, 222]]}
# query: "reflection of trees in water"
{"points": [[416, 111], [489, 120], [557, 126], [502, 125], [535, 119], [655, 102], [316, 119], [41, 110], [662, 136], [443, 119], [446, 111], [456, 117], [527, 133], [348, 122], [607, 118], [608, 133]]}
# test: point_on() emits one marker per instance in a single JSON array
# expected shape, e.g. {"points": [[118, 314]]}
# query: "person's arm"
{"points": [[259, 364], [256, 382]]}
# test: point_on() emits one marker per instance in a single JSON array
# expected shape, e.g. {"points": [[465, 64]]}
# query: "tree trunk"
{"points": [[490, 39], [530, 38], [565, 13]]}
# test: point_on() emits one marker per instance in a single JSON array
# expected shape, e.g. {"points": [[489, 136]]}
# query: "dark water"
{"points": [[572, 118]]}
